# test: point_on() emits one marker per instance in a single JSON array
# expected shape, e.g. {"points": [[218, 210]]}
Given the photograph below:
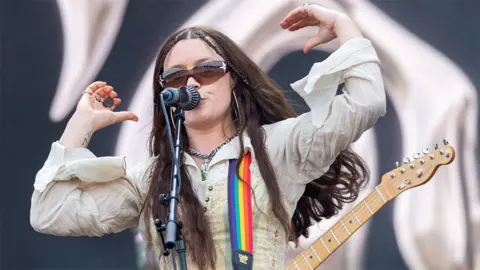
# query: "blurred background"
{"points": [[51, 50]]}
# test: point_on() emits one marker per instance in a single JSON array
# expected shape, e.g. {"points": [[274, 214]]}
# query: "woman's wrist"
{"points": [[78, 131], [346, 29]]}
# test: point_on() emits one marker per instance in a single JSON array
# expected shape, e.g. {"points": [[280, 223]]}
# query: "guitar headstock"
{"points": [[417, 170]]}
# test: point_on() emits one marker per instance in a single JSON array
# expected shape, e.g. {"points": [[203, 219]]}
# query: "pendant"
{"points": [[204, 170]]}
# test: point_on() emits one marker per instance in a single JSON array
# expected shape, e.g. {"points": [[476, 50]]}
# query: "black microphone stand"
{"points": [[173, 226]]}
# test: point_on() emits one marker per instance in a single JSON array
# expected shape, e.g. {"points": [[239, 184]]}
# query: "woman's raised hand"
{"points": [[331, 24], [91, 105]]}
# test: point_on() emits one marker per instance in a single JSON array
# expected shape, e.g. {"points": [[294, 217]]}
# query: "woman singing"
{"points": [[296, 168]]}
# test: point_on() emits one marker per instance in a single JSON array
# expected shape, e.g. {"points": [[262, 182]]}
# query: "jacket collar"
{"points": [[229, 151]]}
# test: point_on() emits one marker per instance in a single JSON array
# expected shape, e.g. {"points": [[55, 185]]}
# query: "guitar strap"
{"points": [[240, 213]]}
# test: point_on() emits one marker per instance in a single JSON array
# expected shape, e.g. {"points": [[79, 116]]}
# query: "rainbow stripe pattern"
{"points": [[240, 205]]}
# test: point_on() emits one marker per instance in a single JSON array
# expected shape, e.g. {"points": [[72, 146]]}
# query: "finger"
{"points": [[97, 97], [113, 94], [324, 35], [314, 41], [123, 116], [302, 24], [116, 102], [107, 89], [104, 91], [96, 85], [293, 17]]}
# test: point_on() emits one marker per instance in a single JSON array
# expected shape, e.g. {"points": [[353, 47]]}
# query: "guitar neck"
{"points": [[321, 249]]}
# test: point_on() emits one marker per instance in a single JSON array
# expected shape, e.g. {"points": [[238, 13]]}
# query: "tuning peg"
{"points": [[406, 160], [397, 164], [426, 151], [435, 146], [417, 155], [445, 142]]}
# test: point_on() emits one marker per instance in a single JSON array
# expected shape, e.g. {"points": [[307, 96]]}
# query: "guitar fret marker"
{"points": [[355, 215], [378, 191], [346, 229], [307, 261], [329, 252], [371, 212], [318, 257], [334, 236]]}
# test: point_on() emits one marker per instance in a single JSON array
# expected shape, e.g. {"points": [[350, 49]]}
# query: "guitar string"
{"points": [[359, 210], [376, 198], [373, 200]]}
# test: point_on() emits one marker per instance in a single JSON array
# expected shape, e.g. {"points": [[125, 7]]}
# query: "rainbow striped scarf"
{"points": [[240, 213]]}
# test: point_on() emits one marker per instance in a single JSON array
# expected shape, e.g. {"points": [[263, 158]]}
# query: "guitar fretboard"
{"points": [[321, 249]]}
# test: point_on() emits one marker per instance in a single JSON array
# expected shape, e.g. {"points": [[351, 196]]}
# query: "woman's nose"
{"points": [[193, 82]]}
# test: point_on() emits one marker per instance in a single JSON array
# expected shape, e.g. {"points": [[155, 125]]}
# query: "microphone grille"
{"points": [[194, 98]]}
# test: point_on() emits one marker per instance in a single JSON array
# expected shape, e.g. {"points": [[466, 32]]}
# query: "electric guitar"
{"points": [[414, 172]]}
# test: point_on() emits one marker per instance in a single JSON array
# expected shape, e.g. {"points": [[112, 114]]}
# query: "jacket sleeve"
{"points": [[78, 194]]}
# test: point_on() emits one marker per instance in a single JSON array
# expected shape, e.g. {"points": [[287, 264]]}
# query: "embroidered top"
{"points": [[77, 193]]}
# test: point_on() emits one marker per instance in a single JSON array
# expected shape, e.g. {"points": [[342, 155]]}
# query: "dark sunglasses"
{"points": [[204, 73]]}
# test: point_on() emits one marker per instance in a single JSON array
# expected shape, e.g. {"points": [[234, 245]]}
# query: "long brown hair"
{"points": [[262, 102]]}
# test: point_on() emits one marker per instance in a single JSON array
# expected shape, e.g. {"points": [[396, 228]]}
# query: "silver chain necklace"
{"points": [[206, 158]]}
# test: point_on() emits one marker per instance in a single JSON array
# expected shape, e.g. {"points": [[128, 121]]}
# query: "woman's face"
{"points": [[206, 70]]}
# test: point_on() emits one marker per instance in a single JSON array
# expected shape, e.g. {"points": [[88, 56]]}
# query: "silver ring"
{"points": [[86, 91], [305, 9]]}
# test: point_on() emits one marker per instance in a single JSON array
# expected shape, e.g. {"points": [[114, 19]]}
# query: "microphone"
{"points": [[185, 97]]}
